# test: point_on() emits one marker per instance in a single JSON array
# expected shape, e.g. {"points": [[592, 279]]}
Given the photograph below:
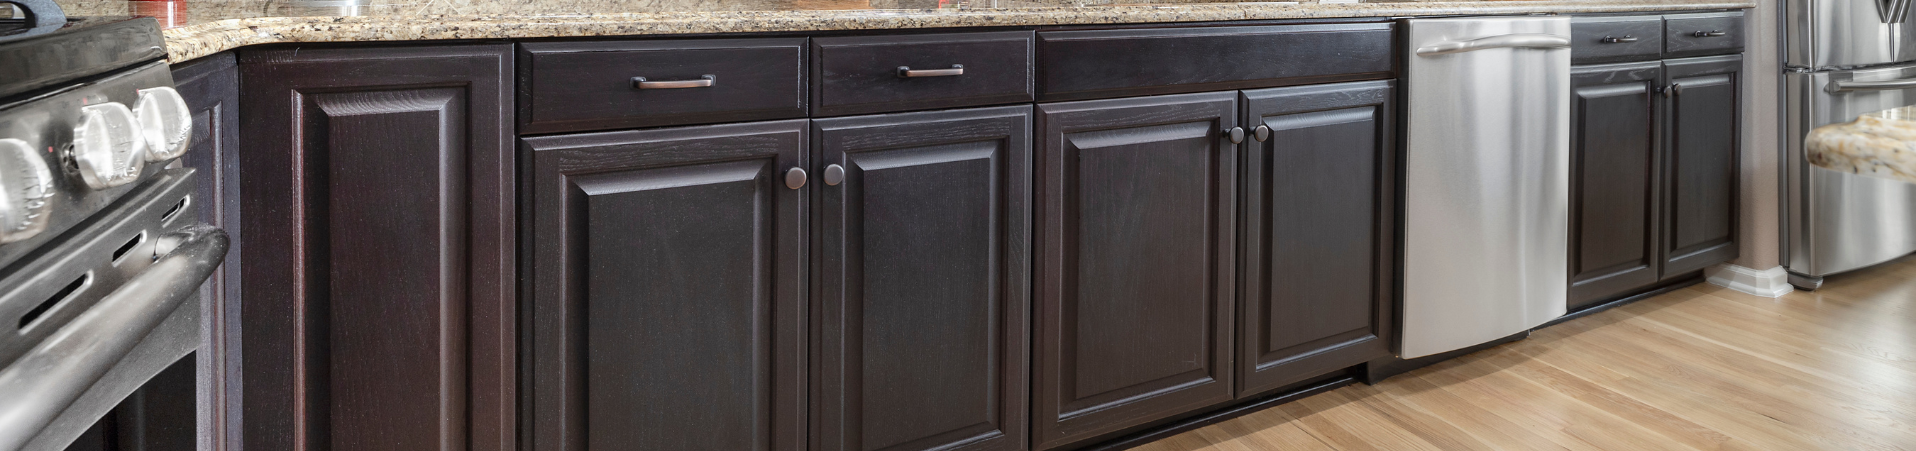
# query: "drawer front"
{"points": [[1615, 39], [856, 75], [1702, 34], [593, 85], [1118, 63]]}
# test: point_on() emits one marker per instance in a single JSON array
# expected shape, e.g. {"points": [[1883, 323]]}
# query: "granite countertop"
{"points": [[197, 28], [1880, 144]]}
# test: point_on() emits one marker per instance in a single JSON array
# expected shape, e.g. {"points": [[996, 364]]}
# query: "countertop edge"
{"points": [[198, 40]]}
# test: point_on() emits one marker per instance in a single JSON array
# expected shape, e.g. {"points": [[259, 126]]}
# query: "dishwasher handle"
{"points": [[1522, 40], [1884, 85]]}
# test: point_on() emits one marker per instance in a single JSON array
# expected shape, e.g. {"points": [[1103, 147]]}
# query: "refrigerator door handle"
{"points": [[1521, 40], [1883, 85]]}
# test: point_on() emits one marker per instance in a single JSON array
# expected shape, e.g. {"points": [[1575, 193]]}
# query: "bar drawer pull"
{"points": [[1622, 40], [908, 72], [1708, 34], [705, 81]]}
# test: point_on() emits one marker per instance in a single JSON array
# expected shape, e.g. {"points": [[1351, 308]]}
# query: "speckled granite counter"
{"points": [[1880, 144], [204, 27]]}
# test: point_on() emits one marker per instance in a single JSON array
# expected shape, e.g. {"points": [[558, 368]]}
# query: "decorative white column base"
{"points": [[1769, 283]]}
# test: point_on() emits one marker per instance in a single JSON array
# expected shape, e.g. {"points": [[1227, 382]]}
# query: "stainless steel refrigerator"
{"points": [[1843, 58]]}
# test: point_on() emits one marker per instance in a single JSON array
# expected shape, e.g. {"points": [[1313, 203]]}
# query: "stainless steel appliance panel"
{"points": [[1823, 34], [1838, 221], [1486, 180]]}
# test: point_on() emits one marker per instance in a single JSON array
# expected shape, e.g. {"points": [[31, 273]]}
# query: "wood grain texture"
{"points": [[1587, 35], [1701, 368], [859, 74], [1117, 63], [1701, 160], [1318, 232], [574, 86], [1615, 138], [1136, 242], [1680, 37], [668, 289], [924, 281], [211, 88], [380, 311]]}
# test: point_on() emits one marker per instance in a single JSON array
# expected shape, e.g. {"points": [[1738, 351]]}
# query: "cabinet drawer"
{"points": [[1615, 39], [595, 85], [1702, 34], [1115, 63], [868, 74]]}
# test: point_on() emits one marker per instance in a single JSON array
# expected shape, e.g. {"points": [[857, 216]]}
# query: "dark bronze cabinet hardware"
{"points": [[1617, 40], [908, 72], [1236, 134], [705, 81], [1709, 34], [834, 175], [795, 178], [1262, 133]]}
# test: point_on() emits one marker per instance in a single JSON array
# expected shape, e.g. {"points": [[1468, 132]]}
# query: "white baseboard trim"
{"points": [[1769, 283]]}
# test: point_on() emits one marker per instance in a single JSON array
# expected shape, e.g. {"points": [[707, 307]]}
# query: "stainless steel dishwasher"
{"points": [[1486, 180]]}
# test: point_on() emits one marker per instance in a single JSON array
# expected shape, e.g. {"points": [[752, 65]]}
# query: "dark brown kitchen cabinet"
{"points": [[210, 86], [1614, 148], [379, 310], [1701, 162], [923, 280], [668, 293], [1136, 262], [1654, 168], [1318, 232]]}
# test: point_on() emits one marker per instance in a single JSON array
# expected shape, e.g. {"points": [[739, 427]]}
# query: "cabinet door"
{"points": [[1614, 186], [924, 281], [1700, 202], [211, 88], [379, 293], [1136, 266], [668, 288], [1317, 232]]}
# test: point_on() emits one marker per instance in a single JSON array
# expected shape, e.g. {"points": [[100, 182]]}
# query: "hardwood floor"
{"points": [[1701, 368]]}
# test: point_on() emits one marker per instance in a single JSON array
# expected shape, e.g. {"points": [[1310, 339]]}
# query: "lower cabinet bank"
{"points": [[998, 240]]}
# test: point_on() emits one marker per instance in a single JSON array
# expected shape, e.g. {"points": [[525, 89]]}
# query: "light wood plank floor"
{"points": [[1699, 368]]}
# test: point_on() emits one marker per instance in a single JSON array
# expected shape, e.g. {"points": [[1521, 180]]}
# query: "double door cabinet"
{"points": [[1655, 146]]}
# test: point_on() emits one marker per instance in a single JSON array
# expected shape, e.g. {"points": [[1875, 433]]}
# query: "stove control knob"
{"points": [[165, 122], [26, 186], [108, 149]]}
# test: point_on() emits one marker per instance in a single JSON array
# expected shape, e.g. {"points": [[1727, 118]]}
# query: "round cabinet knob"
{"points": [[108, 150], [165, 123], [1236, 134], [1262, 133], [834, 174], [25, 187], [795, 178]]}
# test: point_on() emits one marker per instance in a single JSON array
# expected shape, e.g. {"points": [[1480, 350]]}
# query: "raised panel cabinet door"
{"points": [[1318, 233], [1136, 265], [211, 88], [924, 294], [1701, 163], [380, 304], [668, 288], [1614, 185]]}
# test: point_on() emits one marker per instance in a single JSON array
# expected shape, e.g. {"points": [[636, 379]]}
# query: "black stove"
{"points": [[100, 253]]}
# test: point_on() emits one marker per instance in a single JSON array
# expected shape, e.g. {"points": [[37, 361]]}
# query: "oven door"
{"points": [[101, 311], [1826, 34], [1839, 221]]}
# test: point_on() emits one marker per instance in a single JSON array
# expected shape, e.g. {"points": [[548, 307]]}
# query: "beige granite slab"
{"points": [[1880, 144], [203, 27]]}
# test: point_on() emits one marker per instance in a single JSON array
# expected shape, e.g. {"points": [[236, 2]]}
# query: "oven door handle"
{"points": [[1884, 85], [45, 381]]}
